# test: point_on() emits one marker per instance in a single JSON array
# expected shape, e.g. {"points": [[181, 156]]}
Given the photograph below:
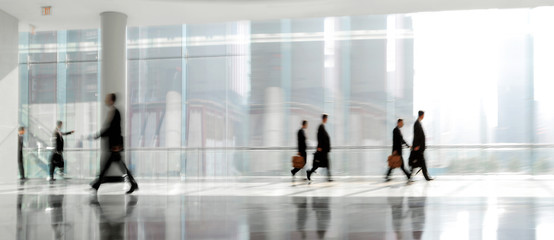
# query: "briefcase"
{"points": [[57, 160], [414, 160], [298, 161], [321, 159], [395, 161]]}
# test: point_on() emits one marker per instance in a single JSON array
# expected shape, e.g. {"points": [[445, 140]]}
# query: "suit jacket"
{"points": [[112, 129], [323, 140], [397, 140], [59, 140], [301, 141], [419, 136]]}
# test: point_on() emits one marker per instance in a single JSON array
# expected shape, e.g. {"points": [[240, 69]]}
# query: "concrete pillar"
{"points": [[114, 68], [273, 131], [173, 113]]}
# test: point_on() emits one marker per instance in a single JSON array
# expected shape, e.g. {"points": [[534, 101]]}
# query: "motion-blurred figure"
{"points": [[417, 157], [321, 157], [56, 160], [397, 142], [112, 132], [21, 132], [301, 136]]}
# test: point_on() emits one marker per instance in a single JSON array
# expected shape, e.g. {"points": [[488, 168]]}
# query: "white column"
{"points": [[9, 95], [9, 101], [114, 60], [114, 68]]}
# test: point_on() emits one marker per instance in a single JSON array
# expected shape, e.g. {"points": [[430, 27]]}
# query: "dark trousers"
{"points": [[115, 157], [56, 161], [401, 167], [423, 166], [20, 164], [325, 159], [303, 154]]}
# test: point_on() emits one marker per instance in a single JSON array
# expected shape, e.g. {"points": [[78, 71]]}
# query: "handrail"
{"points": [[431, 147]]}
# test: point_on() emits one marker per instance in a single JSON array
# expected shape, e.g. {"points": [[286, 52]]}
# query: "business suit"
{"points": [[397, 143], [419, 141], [321, 159], [112, 133], [58, 152], [301, 137], [20, 156]]}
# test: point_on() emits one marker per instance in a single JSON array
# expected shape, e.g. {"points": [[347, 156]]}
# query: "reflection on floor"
{"points": [[277, 208]]}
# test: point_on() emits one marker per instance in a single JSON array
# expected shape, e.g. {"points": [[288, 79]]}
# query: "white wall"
{"points": [[9, 95]]}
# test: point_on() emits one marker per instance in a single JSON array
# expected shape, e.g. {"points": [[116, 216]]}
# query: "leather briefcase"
{"points": [[298, 161], [395, 161]]}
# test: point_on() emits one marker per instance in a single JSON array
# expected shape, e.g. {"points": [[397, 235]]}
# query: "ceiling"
{"points": [[83, 14]]}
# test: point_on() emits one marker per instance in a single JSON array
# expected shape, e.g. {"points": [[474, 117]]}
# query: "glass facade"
{"points": [[227, 99]]}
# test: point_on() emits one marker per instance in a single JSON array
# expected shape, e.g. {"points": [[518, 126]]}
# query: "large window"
{"points": [[200, 92]]}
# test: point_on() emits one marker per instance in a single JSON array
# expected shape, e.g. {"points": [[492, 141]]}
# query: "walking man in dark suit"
{"points": [[419, 146], [321, 157], [301, 136], [57, 156], [112, 132], [397, 143], [21, 132]]}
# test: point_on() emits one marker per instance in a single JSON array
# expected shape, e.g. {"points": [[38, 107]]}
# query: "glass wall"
{"points": [[205, 98], [59, 76]]}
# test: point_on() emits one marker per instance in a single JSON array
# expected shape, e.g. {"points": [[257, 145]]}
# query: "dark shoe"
{"points": [[330, 180], [430, 179], [134, 187], [95, 186], [308, 175], [292, 172], [388, 179]]}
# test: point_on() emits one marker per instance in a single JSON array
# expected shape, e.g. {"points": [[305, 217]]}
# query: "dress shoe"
{"points": [[133, 188], [308, 175]]}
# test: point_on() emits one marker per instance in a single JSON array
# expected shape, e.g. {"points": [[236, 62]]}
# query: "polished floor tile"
{"points": [[477, 207]]}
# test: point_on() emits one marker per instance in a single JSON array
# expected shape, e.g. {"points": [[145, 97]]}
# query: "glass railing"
{"points": [[181, 163]]}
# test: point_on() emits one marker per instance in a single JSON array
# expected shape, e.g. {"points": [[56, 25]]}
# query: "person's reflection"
{"points": [[322, 214], [55, 203], [19, 218], [112, 211], [301, 215], [417, 207], [397, 210]]}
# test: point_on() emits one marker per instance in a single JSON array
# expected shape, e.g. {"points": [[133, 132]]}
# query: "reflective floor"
{"points": [[478, 207]]}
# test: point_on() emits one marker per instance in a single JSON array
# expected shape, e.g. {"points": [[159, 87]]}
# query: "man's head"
{"points": [[21, 130], [324, 118], [59, 124], [400, 123], [304, 124], [420, 115], [110, 99]]}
